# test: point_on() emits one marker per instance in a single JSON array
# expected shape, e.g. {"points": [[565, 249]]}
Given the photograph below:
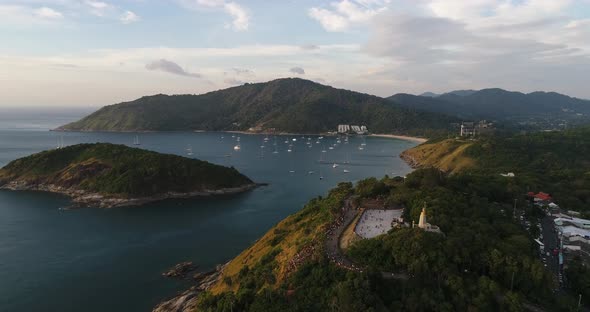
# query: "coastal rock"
{"points": [[180, 270], [82, 198], [187, 300]]}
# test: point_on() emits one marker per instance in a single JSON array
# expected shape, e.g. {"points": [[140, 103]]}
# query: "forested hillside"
{"points": [[285, 105]]}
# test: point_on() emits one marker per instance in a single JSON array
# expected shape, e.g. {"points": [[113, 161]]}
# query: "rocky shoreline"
{"points": [[410, 160], [187, 300], [83, 198]]}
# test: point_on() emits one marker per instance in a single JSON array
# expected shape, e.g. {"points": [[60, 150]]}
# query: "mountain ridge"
{"points": [[284, 105], [496, 103]]}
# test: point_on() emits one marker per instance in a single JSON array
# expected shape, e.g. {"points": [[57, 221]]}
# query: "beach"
{"points": [[400, 137]]}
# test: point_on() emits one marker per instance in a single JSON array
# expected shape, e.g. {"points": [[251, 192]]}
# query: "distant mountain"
{"points": [[285, 105], [461, 92], [498, 104], [429, 94], [428, 104]]}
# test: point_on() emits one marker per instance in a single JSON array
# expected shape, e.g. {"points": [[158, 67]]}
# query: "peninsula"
{"points": [[108, 175], [290, 105]]}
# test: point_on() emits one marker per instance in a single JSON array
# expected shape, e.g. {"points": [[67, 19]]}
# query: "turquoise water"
{"points": [[111, 260]]}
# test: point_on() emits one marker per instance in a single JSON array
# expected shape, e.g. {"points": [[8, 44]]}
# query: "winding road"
{"points": [[334, 252]]}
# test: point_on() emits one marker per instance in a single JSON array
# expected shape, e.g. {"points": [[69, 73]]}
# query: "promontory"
{"points": [[108, 175]]}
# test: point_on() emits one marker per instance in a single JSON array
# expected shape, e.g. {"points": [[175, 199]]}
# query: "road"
{"points": [[334, 252], [332, 241], [551, 241]]}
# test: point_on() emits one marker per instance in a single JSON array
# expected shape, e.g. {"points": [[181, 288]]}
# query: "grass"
{"points": [[448, 155]]}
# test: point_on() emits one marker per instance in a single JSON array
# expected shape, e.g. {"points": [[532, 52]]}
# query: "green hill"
{"points": [[285, 105], [556, 162], [469, 268], [498, 104], [117, 171]]}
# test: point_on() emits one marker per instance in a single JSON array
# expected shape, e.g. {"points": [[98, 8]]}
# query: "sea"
{"points": [[94, 259]]}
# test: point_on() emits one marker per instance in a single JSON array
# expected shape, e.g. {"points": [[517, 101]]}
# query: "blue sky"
{"points": [[98, 52]]}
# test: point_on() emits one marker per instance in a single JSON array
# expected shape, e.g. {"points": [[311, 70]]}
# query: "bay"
{"points": [[112, 259]]}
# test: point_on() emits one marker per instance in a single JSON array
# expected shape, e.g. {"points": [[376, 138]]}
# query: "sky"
{"points": [[100, 52]]}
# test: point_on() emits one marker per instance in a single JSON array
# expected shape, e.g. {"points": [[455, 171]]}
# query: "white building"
{"points": [[425, 225]]}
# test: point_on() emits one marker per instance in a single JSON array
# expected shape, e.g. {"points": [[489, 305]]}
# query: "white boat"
{"points": [[334, 165], [60, 142], [189, 151], [361, 148], [237, 147], [310, 172], [331, 147], [294, 140], [291, 171], [345, 171]]}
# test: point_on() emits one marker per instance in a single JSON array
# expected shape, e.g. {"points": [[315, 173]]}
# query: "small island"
{"points": [[108, 175]]}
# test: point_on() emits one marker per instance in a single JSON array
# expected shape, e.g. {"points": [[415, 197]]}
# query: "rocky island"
{"points": [[108, 175]]}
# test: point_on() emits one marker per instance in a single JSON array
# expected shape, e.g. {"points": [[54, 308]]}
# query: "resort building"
{"points": [[352, 129], [467, 129]]}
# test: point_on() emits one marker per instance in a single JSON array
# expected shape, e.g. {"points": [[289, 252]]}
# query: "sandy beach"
{"points": [[401, 137]]}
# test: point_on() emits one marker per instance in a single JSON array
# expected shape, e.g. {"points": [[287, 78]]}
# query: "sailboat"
{"points": [[276, 151], [136, 140], [60, 142], [189, 150], [334, 165]]}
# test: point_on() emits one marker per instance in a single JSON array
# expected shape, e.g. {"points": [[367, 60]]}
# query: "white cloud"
{"points": [[241, 18], [129, 17], [483, 43], [48, 13], [99, 8], [239, 14], [344, 14]]}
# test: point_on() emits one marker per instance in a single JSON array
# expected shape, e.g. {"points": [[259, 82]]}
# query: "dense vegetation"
{"points": [[120, 170], [553, 162], [287, 105], [469, 268], [499, 104]]}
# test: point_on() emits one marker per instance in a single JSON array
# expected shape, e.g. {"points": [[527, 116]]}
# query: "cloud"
{"points": [[344, 14], [239, 14], [309, 47], [129, 17], [297, 70], [170, 67], [442, 53], [48, 13], [233, 81], [241, 18], [242, 71], [99, 8]]}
